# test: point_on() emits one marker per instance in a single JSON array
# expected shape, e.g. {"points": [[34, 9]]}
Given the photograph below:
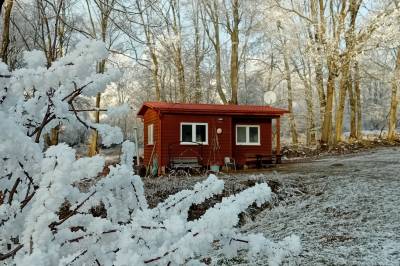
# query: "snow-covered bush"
{"points": [[48, 211]]}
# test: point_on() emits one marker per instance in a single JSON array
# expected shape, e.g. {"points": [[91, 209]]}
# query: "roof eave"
{"points": [[142, 110], [148, 105], [236, 113]]}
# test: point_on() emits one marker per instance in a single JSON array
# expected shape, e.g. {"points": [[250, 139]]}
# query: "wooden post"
{"points": [[278, 140]]}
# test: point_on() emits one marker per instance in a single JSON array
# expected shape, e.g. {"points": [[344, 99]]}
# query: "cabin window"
{"points": [[194, 133], [150, 134], [247, 135]]}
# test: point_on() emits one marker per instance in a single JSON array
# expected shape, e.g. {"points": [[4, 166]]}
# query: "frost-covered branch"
{"points": [[53, 225]]}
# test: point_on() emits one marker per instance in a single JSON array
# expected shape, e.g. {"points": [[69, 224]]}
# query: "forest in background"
{"points": [[334, 64]]}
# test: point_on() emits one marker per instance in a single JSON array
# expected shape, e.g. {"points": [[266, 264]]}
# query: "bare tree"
{"points": [[318, 39], [52, 38], [233, 31], [6, 29], [172, 41], [347, 57], [357, 91], [288, 78], [198, 50], [305, 74], [105, 8], [146, 23], [52, 31], [394, 99], [211, 14]]}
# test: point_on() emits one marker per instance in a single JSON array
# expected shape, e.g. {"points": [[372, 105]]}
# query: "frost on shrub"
{"points": [[50, 216], [35, 58], [130, 232], [128, 151], [109, 135], [38, 98]]}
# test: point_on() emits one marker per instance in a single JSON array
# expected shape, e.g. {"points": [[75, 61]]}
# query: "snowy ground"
{"points": [[345, 209], [349, 213]]}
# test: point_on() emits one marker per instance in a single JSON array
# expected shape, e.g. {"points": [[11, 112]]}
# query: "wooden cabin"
{"points": [[211, 133]]}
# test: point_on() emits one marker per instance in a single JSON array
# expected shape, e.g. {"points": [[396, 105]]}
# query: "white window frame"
{"points": [[150, 134], [193, 134], [248, 143]]}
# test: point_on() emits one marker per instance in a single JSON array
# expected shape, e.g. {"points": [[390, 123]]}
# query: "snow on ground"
{"points": [[349, 215], [344, 208]]}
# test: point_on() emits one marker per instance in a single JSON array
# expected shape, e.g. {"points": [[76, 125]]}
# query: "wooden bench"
{"points": [[185, 163], [263, 160]]}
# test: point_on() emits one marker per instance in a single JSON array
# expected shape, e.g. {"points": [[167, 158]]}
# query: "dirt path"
{"points": [[349, 213]]}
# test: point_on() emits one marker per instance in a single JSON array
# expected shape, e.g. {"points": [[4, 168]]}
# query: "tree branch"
{"points": [[13, 190], [10, 253], [53, 225]]}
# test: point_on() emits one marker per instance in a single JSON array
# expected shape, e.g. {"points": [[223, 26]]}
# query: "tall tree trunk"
{"points": [[353, 106], [235, 52], [197, 83], [288, 78], [105, 10], [356, 121], [154, 71], [197, 57], [346, 83], [173, 22], [270, 72], [394, 99], [212, 10], [319, 79], [317, 10], [292, 121], [306, 77], [218, 69], [338, 19], [310, 108], [246, 100], [144, 19], [342, 99], [310, 138], [308, 93], [52, 39], [6, 30], [357, 92], [181, 76], [353, 109], [326, 130], [93, 144]]}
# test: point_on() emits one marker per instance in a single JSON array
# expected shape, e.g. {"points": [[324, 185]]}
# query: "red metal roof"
{"points": [[247, 110]]}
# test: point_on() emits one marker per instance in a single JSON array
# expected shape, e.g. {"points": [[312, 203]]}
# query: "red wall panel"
{"points": [[151, 117], [265, 147], [171, 138], [167, 138]]}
